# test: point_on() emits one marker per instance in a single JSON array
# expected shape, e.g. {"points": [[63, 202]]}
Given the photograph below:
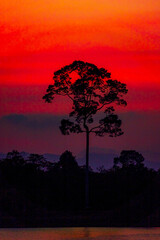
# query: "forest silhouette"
{"points": [[37, 193]]}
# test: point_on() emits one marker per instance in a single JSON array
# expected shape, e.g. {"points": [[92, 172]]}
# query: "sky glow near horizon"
{"points": [[39, 37]]}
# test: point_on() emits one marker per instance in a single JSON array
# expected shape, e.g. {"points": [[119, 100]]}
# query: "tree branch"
{"points": [[69, 96], [91, 130]]}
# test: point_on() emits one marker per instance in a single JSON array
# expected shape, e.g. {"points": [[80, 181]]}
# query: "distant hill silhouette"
{"points": [[99, 157], [49, 156]]}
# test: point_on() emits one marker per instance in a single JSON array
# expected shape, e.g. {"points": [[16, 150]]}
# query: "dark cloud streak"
{"points": [[32, 122]]}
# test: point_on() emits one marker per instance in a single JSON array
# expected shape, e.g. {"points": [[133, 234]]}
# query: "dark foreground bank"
{"points": [[90, 218], [37, 193]]}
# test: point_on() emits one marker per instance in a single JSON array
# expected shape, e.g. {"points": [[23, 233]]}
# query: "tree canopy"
{"points": [[93, 90]]}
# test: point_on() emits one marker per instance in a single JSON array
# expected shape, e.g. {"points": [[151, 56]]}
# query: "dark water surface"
{"points": [[81, 234]]}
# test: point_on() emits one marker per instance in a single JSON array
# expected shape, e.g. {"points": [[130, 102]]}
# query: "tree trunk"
{"points": [[87, 172]]}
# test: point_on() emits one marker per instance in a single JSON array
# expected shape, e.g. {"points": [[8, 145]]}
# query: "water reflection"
{"points": [[81, 234], [86, 232]]}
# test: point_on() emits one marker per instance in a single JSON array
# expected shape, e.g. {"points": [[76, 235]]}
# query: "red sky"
{"points": [[39, 37]]}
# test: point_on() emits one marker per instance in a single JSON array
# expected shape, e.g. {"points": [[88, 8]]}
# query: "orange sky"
{"points": [[31, 26]]}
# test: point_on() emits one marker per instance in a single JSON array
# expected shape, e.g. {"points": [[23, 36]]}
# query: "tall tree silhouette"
{"points": [[91, 90]]}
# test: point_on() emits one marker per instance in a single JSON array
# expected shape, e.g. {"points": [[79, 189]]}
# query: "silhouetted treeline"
{"points": [[35, 192]]}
